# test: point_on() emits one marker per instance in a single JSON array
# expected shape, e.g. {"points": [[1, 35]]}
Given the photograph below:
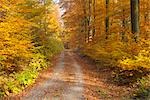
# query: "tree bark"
{"points": [[85, 19], [89, 19], [94, 17], [107, 19], [135, 19]]}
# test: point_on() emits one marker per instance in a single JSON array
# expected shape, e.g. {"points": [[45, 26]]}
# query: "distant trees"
{"points": [[116, 31], [108, 12]]}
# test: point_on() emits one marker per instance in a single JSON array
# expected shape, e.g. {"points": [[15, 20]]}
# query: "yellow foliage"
{"points": [[29, 35], [142, 60], [15, 37]]}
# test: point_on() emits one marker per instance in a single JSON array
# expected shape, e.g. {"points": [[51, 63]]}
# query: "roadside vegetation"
{"points": [[29, 38]]}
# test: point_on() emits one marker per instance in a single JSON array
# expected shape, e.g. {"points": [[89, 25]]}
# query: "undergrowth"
{"points": [[16, 81], [129, 61], [143, 89]]}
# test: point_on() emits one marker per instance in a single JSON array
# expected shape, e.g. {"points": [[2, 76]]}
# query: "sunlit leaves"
{"points": [[29, 36], [85, 24]]}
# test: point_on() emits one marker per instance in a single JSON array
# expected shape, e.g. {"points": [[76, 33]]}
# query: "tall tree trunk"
{"points": [[85, 19], [94, 17], [135, 19], [123, 25], [89, 19], [123, 19], [107, 19]]}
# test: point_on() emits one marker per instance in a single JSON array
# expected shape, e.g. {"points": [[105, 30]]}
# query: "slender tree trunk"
{"points": [[94, 17], [89, 19], [123, 26], [85, 19], [123, 23], [107, 19], [135, 18]]}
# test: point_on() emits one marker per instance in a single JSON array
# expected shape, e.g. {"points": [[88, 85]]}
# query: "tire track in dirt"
{"points": [[75, 92]]}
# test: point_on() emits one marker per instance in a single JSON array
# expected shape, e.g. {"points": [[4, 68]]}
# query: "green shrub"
{"points": [[26, 77], [8, 84], [15, 82], [143, 91], [38, 62], [51, 47]]}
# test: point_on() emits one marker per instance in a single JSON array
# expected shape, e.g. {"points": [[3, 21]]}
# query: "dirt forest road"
{"points": [[73, 78], [64, 84]]}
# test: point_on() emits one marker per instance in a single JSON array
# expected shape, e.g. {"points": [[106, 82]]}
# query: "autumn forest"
{"points": [[74, 50]]}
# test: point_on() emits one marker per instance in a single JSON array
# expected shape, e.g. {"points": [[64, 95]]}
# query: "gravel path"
{"points": [[64, 84]]}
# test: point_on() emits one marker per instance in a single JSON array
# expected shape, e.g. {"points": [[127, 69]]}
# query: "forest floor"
{"points": [[74, 78]]}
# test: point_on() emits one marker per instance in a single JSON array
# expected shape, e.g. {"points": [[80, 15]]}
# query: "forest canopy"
{"points": [[116, 32]]}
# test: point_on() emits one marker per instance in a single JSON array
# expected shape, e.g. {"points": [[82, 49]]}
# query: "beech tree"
{"points": [[107, 19], [135, 19], [116, 19]]}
